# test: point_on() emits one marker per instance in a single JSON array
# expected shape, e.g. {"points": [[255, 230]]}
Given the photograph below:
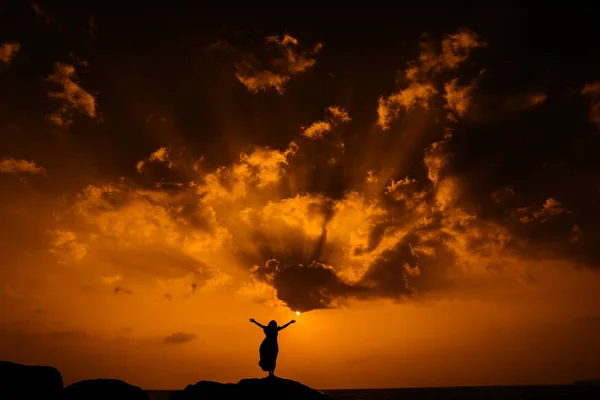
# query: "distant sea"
{"points": [[555, 392]]}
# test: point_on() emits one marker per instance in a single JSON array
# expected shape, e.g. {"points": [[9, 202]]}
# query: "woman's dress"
{"points": [[269, 349]]}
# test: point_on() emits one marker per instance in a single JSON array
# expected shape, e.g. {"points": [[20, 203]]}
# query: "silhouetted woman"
{"points": [[269, 347]]}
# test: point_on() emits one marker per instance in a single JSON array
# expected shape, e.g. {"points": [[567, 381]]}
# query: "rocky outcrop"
{"points": [[264, 389], [102, 389], [19, 381]]}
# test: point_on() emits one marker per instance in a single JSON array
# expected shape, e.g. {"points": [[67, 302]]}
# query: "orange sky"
{"points": [[410, 268]]}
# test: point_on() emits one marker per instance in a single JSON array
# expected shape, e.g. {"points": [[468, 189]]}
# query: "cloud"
{"points": [[416, 238], [406, 191], [289, 228], [305, 288], [122, 290], [8, 51], [162, 155], [455, 49], [287, 59], [150, 241], [305, 252], [472, 100], [109, 280], [458, 97], [318, 130], [292, 59], [525, 101], [11, 165], [259, 169], [593, 91], [437, 157], [591, 88], [256, 81], [73, 96], [550, 208], [179, 338], [65, 246], [43, 14], [415, 95]]}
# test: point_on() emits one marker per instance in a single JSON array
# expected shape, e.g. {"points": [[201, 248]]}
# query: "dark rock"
{"points": [[19, 381], [264, 389], [102, 389]]}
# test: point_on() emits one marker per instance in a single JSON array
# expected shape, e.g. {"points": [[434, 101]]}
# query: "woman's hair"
{"points": [[273, 324]]}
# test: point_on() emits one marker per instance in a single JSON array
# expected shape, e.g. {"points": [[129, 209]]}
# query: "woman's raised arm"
{"points": [[254, 322], [286, 325]]}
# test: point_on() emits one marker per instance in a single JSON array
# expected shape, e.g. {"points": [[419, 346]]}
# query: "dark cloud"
{"points": [[179, 338], [120, 289], [305, 288]]}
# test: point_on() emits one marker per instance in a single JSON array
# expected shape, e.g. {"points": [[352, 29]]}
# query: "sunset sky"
{"points": [[421, 183]]}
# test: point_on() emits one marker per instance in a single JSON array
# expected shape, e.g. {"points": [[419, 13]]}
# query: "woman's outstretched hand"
{"points": [[252, 320], [293, 321]]}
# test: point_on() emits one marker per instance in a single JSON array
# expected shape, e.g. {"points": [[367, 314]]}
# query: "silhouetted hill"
{"points": [[269, 388], [19, 381], [102, 389]]}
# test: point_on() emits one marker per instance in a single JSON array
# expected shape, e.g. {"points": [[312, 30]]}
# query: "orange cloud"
{"points": [[405, 190], [455, 49], [457, 97], [65, 246], [8, 51], [110, 280], [593, 91], [256, 81], [162, 155], [274, 73], [550, 208], [328, 250], [259, 169], [436, 158], [73, 96], [526, 101], [417, 94], [263, 225], [150, 241], [318, 130], [13, 166], [361, 241], [293, 60]]}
